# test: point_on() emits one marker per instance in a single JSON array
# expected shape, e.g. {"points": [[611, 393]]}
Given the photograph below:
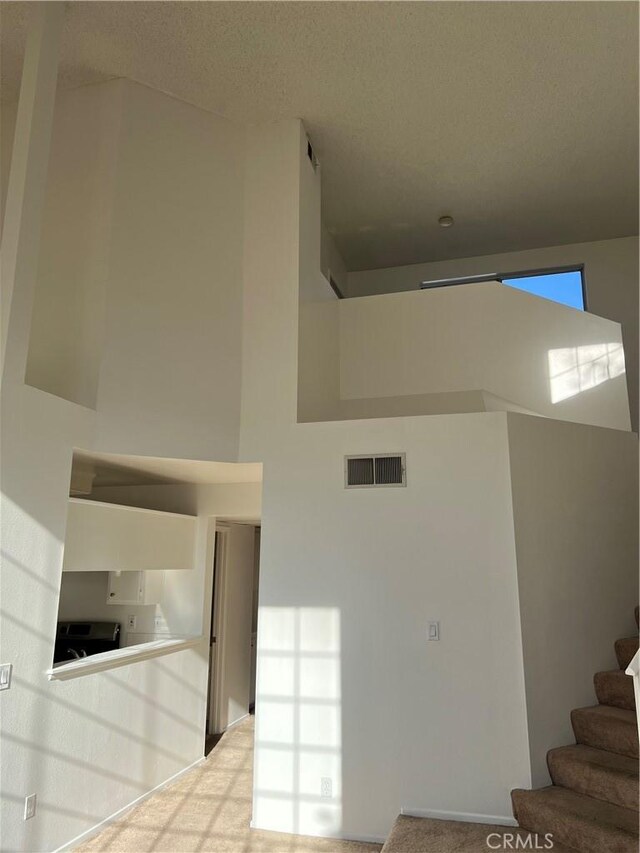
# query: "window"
{"points": [[565, 286]]}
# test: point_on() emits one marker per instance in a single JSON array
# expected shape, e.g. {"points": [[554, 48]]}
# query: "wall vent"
{"points": [[378, 470], [312, 156]]}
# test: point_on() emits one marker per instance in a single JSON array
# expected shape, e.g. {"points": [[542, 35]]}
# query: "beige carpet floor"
{"points": [[209, 810]]}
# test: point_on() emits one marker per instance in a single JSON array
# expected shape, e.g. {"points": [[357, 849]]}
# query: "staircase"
{"points": [[592, 805]]}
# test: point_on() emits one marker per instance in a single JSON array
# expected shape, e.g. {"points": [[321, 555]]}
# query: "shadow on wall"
{"points": [[576, 369], [70, 731], [297, 782]]}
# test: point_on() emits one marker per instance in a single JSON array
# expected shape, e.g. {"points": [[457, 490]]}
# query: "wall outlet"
{"points": [[5, 676], [433, 631], [29, 806], [326, 786], [131, 622]]}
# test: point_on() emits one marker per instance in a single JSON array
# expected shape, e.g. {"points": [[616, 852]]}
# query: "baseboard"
{"points": [[338, 836], [237, 722], [89, 833], [365, 839], [465, 817]]}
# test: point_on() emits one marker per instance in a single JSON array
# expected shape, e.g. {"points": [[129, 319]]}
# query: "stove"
{"points": [[82, 639]]}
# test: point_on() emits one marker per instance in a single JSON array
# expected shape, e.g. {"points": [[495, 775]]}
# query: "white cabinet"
{"points": [[135, 587], [103, 537]]}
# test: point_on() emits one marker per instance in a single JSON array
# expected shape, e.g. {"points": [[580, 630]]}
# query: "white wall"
{"points": [[271, 272], [611, 276], [67, 326], [484, 337], [319, 360], [59, 739], [575, 501], [169, 385], [170, 373], [139, 283], [347, 583], [8, 110], [237, 501], [349, 580], [331, 262]]}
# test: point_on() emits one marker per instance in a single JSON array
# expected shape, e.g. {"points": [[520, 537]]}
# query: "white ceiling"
{"points": [[519, 119], [112, 469]]}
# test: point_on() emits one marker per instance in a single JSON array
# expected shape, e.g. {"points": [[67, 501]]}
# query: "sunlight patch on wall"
{"points": [[576, 369], [298, 772]]}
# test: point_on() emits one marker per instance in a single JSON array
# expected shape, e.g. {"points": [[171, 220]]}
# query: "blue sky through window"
{"points": [[563, 287]]}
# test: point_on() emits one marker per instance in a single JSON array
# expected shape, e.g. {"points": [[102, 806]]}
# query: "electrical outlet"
{"points": [[326, 787], [131, 622], [5, 676], [433, 632], [29, 806]]}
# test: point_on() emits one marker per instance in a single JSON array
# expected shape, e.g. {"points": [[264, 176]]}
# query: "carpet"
{"points": [[209, 810]]}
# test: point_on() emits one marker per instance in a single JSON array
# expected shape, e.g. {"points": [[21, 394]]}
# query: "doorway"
{"points": [[233, 631]]}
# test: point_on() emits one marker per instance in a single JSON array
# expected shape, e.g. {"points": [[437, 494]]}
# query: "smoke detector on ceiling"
{"points": [[445, 221]]}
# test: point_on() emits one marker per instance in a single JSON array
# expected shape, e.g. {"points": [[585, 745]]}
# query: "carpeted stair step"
{"points": [[596, 773], [615, 688], [625, 650], [604, 727], [583, 823], [430, 835]]}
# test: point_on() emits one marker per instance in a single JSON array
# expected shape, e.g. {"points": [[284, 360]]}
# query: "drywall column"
{"points": [[271, 281], [27, 183], [348, 579]]}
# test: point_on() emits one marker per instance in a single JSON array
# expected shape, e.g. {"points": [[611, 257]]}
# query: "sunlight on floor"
{"points": [[209, 810]]}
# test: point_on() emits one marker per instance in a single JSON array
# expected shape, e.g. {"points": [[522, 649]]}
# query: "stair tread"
{"points": [[577, 820], [615, 688], [625, 649], [596, 773], [588, 808], [606, 727], [613, 761], [614, 673], [608, 712]]}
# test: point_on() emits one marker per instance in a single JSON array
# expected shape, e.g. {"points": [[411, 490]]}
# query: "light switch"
{"points": [[5, 676], [433, 631]]}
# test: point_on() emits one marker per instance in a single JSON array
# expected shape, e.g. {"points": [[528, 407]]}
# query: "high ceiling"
{"points": [[519, 119]]}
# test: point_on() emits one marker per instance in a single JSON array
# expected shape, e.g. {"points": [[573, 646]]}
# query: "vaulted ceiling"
{"points": [[518, 119]]}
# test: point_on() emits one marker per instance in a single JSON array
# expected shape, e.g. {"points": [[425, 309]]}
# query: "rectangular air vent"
{"points": [[379, 470]]}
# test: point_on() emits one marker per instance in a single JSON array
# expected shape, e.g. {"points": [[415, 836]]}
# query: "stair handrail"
{"points": [[634, 671]]}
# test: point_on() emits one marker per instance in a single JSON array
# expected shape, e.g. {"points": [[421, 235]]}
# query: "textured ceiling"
{"points": [[519, 119]]}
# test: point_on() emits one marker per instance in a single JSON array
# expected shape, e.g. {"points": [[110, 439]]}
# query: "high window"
{"points": [[565, 286]]}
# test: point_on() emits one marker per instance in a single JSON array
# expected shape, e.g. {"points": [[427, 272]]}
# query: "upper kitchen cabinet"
{"points": [[103, 537]]}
